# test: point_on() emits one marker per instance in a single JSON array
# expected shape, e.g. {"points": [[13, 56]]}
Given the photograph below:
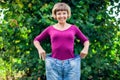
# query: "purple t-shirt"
{"points": [[62, 42]]}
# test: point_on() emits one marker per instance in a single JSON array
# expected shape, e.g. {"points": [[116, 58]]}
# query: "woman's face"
{"points": [[61, 16]]}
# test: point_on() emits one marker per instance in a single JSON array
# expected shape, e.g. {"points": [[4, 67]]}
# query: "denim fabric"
{"points": [[63, 69]]}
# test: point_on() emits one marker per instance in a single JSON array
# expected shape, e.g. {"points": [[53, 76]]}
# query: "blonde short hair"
{"points": [[61, 7]]}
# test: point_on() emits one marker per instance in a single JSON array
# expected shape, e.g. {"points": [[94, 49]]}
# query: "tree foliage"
{"points": [[25, 19]]}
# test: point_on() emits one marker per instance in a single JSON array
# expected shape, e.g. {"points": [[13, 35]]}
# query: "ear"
{"points": [[55, 17], [68, 16]]}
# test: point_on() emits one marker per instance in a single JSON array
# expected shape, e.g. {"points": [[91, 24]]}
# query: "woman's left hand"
{"points": [[83, 53]]}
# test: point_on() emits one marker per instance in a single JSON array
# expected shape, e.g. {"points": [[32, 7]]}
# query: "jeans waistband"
{"points": [[62, 61]]}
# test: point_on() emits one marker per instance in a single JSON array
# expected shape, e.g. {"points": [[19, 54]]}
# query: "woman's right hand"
{"points": [[42, 54]]}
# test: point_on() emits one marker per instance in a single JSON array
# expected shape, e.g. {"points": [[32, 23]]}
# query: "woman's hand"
{"points": [[42, 54], [41, 51], [83, 53]]}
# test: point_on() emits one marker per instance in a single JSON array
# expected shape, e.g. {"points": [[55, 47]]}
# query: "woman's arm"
{"points": [[41, 51], [38, 39], [84, 51]]}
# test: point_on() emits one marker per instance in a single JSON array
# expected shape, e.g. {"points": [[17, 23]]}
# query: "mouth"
{"points": [[62, 19]]}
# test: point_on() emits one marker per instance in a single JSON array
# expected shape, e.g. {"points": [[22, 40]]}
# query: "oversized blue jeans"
{"points": [[63, 69]]}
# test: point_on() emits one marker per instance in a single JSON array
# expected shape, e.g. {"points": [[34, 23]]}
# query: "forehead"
{"points": [[61, 12]]}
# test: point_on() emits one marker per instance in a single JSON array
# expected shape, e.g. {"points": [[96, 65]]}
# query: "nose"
{"points": [[62, 15]]}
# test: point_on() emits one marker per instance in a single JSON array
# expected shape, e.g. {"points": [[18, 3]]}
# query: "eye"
{"points": [[64, 13], [58, 13]]}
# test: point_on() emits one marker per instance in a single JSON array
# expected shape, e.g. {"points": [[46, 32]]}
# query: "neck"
{"points": [[62, 24]]}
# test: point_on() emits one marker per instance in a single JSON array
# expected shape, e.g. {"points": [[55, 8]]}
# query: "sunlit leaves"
{"points": [[25, 19]]}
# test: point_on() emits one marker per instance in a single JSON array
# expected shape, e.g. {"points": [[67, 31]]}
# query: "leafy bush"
{"points": [[27, 18]]}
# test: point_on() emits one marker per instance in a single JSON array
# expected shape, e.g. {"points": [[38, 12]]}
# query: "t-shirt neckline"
{"points": [[62, 30]]}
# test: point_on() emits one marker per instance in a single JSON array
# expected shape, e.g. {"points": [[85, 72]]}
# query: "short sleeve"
{"points": [[43, 35], [80, 35]]}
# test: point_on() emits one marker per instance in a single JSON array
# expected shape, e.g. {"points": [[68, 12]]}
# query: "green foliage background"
{"points": [[25, 19]]}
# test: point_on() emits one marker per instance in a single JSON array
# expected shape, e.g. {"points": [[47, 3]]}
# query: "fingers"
{"points": [[83, 55], [42, 55]]}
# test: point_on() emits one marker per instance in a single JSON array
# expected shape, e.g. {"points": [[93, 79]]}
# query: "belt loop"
{"points": [[55, 61], [62, 61], [68, 61]]}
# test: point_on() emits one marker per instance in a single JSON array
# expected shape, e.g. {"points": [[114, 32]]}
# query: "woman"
{"points": [[62, 64]]}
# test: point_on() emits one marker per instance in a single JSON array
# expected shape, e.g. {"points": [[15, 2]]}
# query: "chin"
{"points": [[61, 22]]}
